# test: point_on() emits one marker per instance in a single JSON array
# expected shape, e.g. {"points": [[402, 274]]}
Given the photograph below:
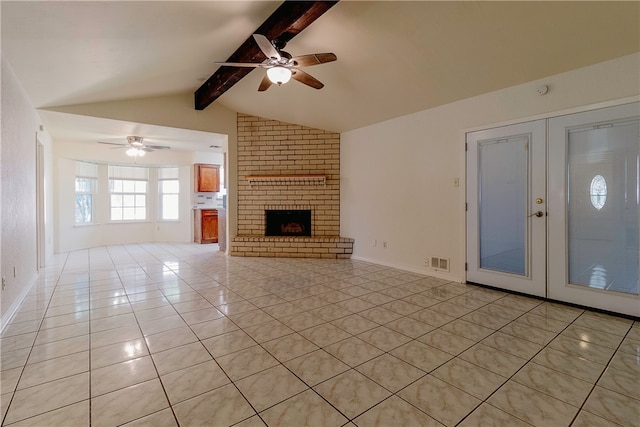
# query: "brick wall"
{"points": [[269, 147]]}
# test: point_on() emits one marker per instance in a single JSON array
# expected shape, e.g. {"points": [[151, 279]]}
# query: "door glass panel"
{"points": [[603, 197], [503, 171]]}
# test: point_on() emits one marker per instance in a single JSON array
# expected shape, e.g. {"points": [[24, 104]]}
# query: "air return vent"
{"points": [[440, 263]]}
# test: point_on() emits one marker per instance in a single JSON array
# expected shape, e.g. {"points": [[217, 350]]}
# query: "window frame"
{"points": [[92, 196], [124, 194], [161, 203]]}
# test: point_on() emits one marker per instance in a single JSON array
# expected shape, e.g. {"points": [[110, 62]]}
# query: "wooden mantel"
{"points": [[288, 179]]}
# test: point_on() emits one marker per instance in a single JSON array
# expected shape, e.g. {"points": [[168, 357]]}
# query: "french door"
{"points": [[579, 246], [594, 191], [506, 208]]}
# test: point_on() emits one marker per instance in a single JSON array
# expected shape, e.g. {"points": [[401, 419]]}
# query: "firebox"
{"points": [[287, 222]]}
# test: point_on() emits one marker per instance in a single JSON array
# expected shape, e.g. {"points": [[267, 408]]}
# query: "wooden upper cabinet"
{"points": [[207, 178]]}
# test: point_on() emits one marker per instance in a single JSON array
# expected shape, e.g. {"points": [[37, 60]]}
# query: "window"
{"points": [[169, 188], [598, 191], [85, 188], [128, 193]]}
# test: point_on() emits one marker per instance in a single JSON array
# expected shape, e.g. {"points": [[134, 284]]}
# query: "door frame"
{"points": [[545, 116], [533, 282], [558, 287]]}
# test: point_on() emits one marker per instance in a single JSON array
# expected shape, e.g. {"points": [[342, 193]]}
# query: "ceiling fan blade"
{"points": [[307, 79], [112, 143], [313, 59], [240, 64], [158, 147], [266, 47], [265, 84]]}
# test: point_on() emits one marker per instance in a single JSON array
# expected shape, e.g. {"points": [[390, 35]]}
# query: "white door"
{"points": [[506, 207], [594, 191]]}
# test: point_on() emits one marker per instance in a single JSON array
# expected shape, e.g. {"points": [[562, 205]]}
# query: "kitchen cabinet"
{"points": [[207, 178], [206, 225]]}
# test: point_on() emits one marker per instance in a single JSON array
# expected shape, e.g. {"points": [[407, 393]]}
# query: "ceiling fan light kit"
{"points": [[279, 75], [135, 152]]}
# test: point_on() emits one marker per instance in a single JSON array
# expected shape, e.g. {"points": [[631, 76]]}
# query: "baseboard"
{"points": [[13, 308], [411, 269]]}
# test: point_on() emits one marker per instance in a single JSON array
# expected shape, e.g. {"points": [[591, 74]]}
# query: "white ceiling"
{"points": [[394, 57]]}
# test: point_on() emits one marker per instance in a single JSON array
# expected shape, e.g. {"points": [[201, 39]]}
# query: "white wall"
{"points": [[18, 249], [397, 177], [70, 236]]}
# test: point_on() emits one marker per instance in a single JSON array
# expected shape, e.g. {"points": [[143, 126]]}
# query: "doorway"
{"points": [[552, 208]]}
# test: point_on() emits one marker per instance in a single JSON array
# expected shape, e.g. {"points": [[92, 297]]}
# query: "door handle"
{"points": [[538, 214]]}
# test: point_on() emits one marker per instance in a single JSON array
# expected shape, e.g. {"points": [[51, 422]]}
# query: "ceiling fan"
{"points": [[135, 146], [281, 66]]}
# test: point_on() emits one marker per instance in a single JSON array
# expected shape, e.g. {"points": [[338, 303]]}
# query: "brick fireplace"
{"points": [[285, 167]]}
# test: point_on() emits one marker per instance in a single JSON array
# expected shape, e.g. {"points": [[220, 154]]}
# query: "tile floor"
{"points": [[165, 335]]}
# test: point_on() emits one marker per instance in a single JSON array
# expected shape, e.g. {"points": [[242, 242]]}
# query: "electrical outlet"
{"points": [[384, 244], [4, 282], [374, 243], [426, 262]]}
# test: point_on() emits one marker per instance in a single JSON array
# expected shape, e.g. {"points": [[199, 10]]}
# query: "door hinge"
{"points": [[466, 146], [466, 267], [466, 207]]}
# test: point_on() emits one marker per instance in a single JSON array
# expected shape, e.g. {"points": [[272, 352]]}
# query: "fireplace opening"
{"points": [[287, 222]]}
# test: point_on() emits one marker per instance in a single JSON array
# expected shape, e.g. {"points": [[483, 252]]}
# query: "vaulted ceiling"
{"points": [[394, 58]]}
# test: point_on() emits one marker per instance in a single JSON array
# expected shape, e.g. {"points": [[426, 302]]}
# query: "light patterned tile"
{"points": [[304, 409], [395, 412], [469, 378], [118, 352], [352, 393], [512, 345], [53, 369], [613, 406], [324, 335], [163, 418], [439, 400], [316, 367], [192, 381], [555, 384], [76, 414], [384, 338], [390, 372], [622, 382], [498, 362], [180, 357], [269, 387], [593, 352], [353, 351], [569, 364], [222, 406], [246, 362], [228, 343], [170, 339], [421, 355], [289, 347], [532, 406], [446, 341], [605, 339], [410, 327], [487, 415], [42, 398], [354, 324], [121, 375]]}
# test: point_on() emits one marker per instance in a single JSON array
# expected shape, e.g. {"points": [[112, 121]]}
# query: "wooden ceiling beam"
{"points": [[289, 19]]}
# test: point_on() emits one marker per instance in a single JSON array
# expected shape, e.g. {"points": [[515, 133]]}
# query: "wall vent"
{"points": [[440, 263]]}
